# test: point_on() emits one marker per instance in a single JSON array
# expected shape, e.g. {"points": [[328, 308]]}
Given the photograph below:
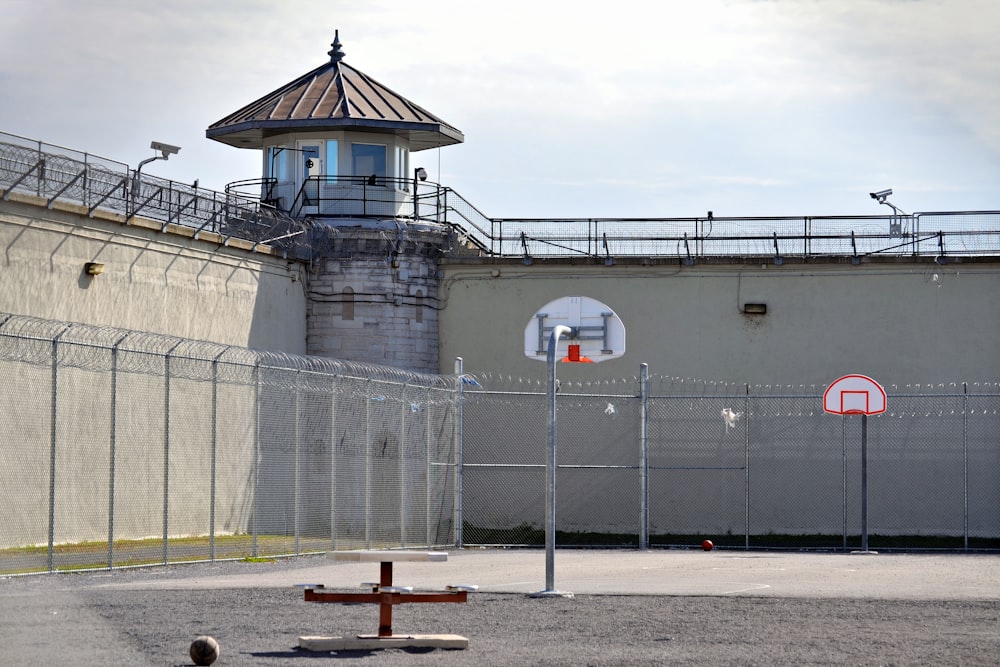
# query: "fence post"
{"points": [[428, 466], [965, 459], [215, 446], [52, 450], [746, 465], [296, 509], [112, 440], [333, 463], [404, 479], [368, 467], [643, 457], [458, 452], [256, 457], [166, 450]]}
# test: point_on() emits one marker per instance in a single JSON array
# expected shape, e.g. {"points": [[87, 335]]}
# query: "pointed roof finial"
{"points": [[336, 53]]}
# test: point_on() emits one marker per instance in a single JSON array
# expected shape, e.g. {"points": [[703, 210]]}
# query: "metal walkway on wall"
{"points": [[60, 174], [57, 173]]}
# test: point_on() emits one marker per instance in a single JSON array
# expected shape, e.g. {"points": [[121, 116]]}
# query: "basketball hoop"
{"points": [[596, 333], [857, 395], [573, 356], [854, 395]]}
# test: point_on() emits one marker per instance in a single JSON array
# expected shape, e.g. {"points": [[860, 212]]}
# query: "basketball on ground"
{"points": [[707, 545], [204, 650]]}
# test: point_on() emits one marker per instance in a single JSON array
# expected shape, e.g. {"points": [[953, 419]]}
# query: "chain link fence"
{"points": [[668, 470], [122, 448]]}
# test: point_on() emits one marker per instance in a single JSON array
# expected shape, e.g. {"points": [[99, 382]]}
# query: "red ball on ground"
{"points": [[707, 545]]}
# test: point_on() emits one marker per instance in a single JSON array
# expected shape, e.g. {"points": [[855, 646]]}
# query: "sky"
{"points": [[570, 109]]}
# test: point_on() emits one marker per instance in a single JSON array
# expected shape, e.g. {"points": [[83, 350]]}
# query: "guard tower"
{"points": [[329, 136], [336, 149]]}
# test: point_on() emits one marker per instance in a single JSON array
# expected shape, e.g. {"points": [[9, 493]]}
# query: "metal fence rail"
{"points": [[248, 211], [122, 448], [787, 475], [57, 173], [938, 235]]}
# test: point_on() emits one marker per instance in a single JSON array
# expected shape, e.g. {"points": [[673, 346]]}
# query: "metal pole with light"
{"points": [[896, 224], [419, 174], [550, 470], [166, 150]]}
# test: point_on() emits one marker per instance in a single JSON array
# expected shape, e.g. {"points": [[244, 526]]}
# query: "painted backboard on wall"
{"points": [[597, 333]]}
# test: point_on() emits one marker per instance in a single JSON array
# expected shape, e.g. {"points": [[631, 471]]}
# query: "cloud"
{"points": [[582, 108]]}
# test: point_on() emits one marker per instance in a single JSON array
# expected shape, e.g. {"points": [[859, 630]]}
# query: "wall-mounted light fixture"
{"points": [[896, 222], [93, 268], [419, 174], [755, 309], [166, 150]]}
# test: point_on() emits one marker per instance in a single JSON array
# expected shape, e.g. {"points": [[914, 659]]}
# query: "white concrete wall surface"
{"points": [[153, 281], [899, 322]]}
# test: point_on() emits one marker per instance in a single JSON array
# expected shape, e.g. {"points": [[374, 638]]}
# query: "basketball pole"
{"points": [[864, 483], [550, 471], [864, 486]]}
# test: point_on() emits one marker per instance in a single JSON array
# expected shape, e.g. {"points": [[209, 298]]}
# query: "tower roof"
{"points": [[333, 96]]}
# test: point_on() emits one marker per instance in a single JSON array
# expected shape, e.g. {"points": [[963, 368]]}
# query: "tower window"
{"points": [[368, 160], [347, 304], [332, 165]]}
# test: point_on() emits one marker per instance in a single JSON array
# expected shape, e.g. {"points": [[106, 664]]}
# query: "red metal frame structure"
{"points": [[384, 593]]}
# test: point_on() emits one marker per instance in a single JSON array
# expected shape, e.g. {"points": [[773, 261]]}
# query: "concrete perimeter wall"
{"points": [[901, 322], [156, 281]]}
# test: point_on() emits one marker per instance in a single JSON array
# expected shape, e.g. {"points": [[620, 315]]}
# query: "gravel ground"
{"points": [[80, 620]]}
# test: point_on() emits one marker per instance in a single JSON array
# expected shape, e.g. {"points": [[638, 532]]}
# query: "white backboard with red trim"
{"points": [[597, 333], [854, 395]]}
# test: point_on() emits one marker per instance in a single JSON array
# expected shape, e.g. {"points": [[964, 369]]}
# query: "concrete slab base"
{"points": [[374, 642], [550, 594]]}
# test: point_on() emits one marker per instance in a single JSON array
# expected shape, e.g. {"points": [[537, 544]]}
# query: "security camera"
{"points": [[165, 149], [881, 194], [421, 173]]}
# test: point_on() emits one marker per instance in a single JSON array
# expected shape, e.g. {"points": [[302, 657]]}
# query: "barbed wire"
{"points": [[54, 172], [660, 385], [101, 348]]}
